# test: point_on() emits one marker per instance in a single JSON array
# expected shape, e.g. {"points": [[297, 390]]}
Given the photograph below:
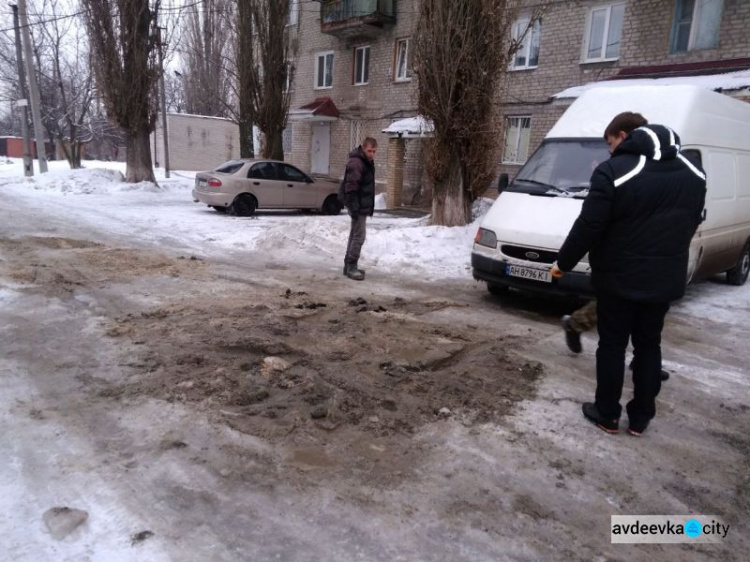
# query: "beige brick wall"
{"points": [[376, 105], [645, 41], [197, 142]]}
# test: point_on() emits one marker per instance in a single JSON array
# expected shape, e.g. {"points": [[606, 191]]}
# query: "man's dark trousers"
{"points": [[357, 234], [619, 320]]}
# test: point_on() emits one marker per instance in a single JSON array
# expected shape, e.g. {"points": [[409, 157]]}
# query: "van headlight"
{"points": [[486, 237]]}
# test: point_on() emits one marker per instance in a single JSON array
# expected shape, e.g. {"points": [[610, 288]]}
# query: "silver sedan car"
{"points": [[242, 186]]}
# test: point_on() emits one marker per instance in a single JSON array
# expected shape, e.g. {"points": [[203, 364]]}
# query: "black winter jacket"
{"points": [[359, 184], [637, 221]]}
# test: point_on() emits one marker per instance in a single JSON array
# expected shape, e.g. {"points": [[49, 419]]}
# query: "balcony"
{"points": [[356, 18]]}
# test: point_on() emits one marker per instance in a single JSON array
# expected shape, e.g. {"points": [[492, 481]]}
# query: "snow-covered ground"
{"points": [[81, 323], [98, 197]]}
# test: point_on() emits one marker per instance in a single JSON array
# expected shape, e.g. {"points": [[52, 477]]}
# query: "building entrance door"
{"points": [[321, 149]]}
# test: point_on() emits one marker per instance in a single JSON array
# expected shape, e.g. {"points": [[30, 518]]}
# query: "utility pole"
{"points": [[36, 113], [23, 103], [165, 134]]}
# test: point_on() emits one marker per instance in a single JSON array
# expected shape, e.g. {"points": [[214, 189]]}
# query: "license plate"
{"points": [[529, 273], [202, 183]]}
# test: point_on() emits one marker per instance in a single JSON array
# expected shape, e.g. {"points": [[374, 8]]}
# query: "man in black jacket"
{"points": [[644, 205], [359, 190]]}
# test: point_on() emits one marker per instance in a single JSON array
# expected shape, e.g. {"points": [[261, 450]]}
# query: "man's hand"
{"points": [[555, 271]]}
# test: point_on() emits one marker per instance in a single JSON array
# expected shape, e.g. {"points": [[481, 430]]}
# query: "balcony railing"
{"points": [[356, 17]]}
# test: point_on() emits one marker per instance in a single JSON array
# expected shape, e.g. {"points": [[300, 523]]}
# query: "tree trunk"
{"points": [[451, 205], [139, 167], [247, 147], [75, 161], [274, 146]]}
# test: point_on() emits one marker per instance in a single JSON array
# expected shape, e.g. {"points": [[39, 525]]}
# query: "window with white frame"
{"points": [[517, 134], [527, 55], [293, 16], [286, 139], [603, 32], [403, 60], [355, 134], [324, 70], [696, 25], [361, 65]]}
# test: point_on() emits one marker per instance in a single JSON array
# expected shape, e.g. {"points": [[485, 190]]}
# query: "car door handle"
{"points": [[256, 183], [290, 185]]}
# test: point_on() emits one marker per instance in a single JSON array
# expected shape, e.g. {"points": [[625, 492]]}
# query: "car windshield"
{"points": [[230, 167], [561, 167]]}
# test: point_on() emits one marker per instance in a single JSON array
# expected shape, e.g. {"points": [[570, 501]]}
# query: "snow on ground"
{"points": [[97, 195]]}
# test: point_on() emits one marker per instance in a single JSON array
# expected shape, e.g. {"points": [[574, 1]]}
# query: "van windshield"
{"points": [[561, 167]]}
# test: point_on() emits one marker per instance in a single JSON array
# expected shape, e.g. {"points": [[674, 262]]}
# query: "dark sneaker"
{"points": [[591, 413], [637, 427], [354, 273], [572, 338], [664, 375]]}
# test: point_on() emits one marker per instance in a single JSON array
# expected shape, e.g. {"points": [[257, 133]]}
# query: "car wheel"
{"points": [[243, 206], [738, 274], [220, 209], [331, 205], [497, 289]]}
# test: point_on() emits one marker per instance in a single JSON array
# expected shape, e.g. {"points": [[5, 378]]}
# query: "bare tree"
{"points": [[462, 51], [175, 92], [245, 65], [206, 44], [123, 39], [65, 77], [266, 66]]}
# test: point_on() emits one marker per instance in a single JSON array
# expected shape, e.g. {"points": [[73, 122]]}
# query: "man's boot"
{"points": [[354, 273]]}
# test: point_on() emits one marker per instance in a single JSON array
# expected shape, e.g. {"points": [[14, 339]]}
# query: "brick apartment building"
{"points": [[353, 72]]}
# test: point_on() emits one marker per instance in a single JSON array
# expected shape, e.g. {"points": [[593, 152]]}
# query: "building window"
{"points": [[286, 139], [324, 70], [527, 55], [361, 65], [403, 60], [517, 133], [696, 25], [355, 134], [603, 31], [293, 16]]}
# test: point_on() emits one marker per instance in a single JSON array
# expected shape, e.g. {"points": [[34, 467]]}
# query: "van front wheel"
{"points": [[738, 274]]}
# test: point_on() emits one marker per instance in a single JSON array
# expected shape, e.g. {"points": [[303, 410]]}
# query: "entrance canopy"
{"points": [[412, 127], [321, 109]]}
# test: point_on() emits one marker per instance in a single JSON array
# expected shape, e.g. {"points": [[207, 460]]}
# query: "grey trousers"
{"points": [[357, 235]]}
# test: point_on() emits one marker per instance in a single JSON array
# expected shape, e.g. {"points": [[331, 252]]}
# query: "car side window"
{"points": [[290, 173], [694, 156], [262, 171]]}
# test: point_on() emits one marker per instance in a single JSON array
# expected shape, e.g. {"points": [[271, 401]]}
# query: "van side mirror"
{"points": [[502, 183]]}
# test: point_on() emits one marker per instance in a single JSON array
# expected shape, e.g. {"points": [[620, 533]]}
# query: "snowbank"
{"points": [[104, 202]]}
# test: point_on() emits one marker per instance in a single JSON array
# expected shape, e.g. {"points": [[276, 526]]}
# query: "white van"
{"points": [[522, 232]]}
